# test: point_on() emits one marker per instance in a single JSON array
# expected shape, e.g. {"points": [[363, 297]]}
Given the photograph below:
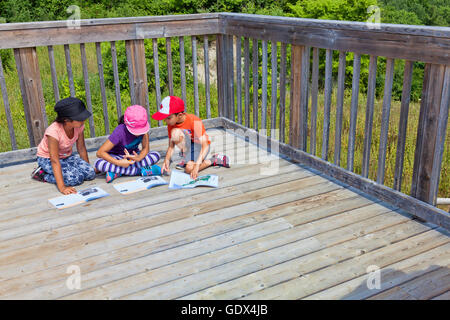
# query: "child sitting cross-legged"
{"points": [[120, 155], [187, 132], [57, 164]]}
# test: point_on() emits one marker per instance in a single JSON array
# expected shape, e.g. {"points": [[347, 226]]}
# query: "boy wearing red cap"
{"points": [[187, 132], [120, 154]]}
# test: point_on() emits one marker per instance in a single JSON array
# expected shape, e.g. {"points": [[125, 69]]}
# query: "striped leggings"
{"points": [[133, 169]]}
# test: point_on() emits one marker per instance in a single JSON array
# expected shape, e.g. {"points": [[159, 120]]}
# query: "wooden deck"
{"points": [[293, 235]]}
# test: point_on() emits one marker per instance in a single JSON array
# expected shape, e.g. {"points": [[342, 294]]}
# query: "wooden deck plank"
{"points": [[329, 241], [50, 232], [308, 284], [249, 154], [220, 257], [144, 249], [424, 287], [444, 296], [48, 192], [242, 267], [29, 223], [16, 200], [254, 236], [390, 276], [136, 231]]}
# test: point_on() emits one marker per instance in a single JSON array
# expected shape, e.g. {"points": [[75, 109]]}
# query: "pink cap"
{"points": [[169, 105], [135, 119]]}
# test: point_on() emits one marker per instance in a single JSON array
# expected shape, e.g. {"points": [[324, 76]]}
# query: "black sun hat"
{"points": [[72, 108]]}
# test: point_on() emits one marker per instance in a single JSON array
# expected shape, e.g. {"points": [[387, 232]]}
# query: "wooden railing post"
{"points": [[431, 132], [137, 72], [32, 94], [298, 121]]}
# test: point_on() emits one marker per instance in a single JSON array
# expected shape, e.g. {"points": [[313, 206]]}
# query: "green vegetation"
{"points": [[417, 12]]}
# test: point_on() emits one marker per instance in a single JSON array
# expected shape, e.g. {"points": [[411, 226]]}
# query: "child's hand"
{"points": [[133, 157], [67, 190], [124, 163], [194, 172], [165, 168]]}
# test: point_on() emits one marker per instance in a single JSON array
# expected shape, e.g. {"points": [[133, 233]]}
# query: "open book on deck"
{"points": [[74, 199], [140, 184], [179, 180]]}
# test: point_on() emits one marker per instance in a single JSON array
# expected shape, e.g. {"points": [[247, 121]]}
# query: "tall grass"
{"points": [[16, 105]]}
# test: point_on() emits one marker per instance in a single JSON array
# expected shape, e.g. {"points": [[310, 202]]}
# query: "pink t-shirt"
{"points": [[56, 130]]}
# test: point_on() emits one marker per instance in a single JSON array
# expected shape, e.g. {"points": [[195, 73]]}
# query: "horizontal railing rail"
{"points": [[268, 70]]}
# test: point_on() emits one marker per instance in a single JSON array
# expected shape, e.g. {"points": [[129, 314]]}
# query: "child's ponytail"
{"points": [[121, 120]]}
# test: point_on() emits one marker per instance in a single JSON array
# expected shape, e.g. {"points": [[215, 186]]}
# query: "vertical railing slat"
{"points": [[230, 61], [274, 65], [304, 98], [116, 79], [69, 70], [182, 70], [195, 74], [255, 64], [51, 58], [156, 66], [327, 103], [238, 80], [207, 85], [314, 96], [87, 88], [296, 116], [247, 81], [385, 119], [12, 134], [131, 72], [369, 115], [102, 86], [403, 124], [221, 72], [282, 92], [264, 86], [353, 111], [339, 108], [136, 62], [169, 64]]}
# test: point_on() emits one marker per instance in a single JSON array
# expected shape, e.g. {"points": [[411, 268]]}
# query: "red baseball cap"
{"points": [[135, 119], [169, 105]]}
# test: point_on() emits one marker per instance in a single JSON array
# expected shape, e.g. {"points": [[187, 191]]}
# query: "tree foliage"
{"points": [[415, 12]]}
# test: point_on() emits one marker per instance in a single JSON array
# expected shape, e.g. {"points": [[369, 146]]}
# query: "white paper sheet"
{"points": [[179, 180], [140, 184], [82, 196]]}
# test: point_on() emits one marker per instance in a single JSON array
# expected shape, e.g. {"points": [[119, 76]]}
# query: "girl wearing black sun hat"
{"points": [[56, 162]]}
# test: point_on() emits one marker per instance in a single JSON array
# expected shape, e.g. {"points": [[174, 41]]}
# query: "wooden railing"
{"points": [[234, 34]]}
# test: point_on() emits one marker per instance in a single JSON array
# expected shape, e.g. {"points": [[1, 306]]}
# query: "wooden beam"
{"points": [[430, 133], [418, 43], [138, 77], [20, 35], [32, 94]]}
